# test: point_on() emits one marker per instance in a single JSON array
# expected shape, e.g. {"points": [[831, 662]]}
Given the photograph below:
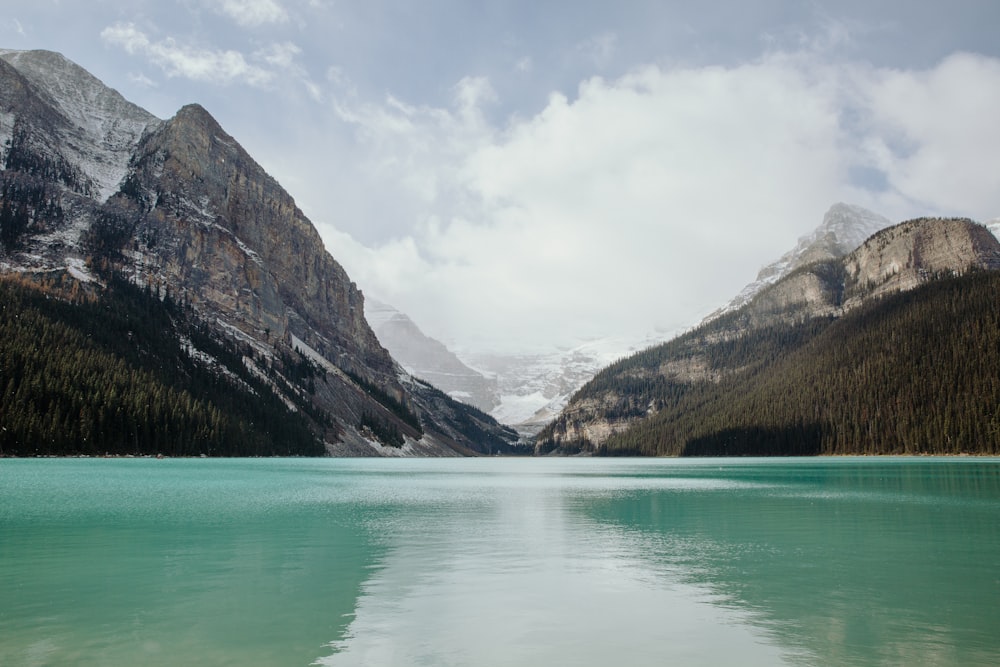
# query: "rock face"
{"points": [[92, 183], [903, 256], [895, 259], [213, 223]]}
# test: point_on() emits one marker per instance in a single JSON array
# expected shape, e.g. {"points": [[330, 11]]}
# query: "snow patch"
{"points": [[78, 269], [516, 408], [98, 115]]}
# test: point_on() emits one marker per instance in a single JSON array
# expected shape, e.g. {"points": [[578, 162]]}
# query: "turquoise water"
{"points": [[500, 562]]}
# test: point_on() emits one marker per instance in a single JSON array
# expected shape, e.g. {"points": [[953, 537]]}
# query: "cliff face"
{"points": [[93, 185], [896, 259], [216, 226], [903, 256]]}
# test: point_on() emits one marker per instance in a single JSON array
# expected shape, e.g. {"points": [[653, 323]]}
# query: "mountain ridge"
{"points": [[739, 351]]}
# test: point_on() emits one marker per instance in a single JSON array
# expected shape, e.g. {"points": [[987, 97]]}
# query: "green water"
{"points": [[500, 562]]}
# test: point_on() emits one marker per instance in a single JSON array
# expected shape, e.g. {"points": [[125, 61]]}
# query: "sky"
{"points": [[525, 175]]}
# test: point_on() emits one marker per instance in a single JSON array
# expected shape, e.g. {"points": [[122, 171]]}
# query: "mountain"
{"points": [[95, 188], [429, 359], [892, 348], [843, 229], [524, 390], [533, 387]]}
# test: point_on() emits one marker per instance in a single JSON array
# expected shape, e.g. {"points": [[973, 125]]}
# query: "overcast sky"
{"points": [[528, 173]]}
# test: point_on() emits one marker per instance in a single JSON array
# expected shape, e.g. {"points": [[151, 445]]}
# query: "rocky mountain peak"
{"points": [[844, 228], [81, 124]]}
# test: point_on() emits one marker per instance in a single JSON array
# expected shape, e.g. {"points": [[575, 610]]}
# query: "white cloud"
{"points": [[207, 65], [280, 55], [934, 133], [253, 13], [190, 62], [648, 200]]}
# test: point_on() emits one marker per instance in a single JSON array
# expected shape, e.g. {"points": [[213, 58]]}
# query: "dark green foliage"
{"points": [[107, 375], [918, 372], [112, 228], [381, 430], [25, 202], [394, 406]]}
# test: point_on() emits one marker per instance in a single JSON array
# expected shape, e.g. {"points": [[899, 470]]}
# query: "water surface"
{"points": [[500, 562]]}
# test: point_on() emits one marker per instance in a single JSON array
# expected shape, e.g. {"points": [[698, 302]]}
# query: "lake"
{"points": [[843, 561]]}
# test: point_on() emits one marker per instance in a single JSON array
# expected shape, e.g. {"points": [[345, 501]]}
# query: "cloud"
{"points": [[600, 49], [253, 13], [648, 200], [260, 70], [198, 64], [934, 133]]}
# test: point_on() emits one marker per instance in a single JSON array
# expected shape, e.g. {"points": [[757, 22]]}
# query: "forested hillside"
{"points": [[107, 373], [915, 372]]}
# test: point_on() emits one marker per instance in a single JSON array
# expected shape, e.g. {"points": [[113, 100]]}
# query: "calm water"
{"points": [[500, 562]]}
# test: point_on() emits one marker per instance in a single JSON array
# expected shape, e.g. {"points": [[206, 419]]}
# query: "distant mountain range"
{"points": [[101, 202], [529, 390]]}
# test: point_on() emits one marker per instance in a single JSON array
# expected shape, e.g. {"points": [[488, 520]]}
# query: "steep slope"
{"points": [[761, 376], [96, 187], [101, 127], [429, 359]]}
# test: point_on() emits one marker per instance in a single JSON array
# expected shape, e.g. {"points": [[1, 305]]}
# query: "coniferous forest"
{"points": [[914, 373], [106, 373]]}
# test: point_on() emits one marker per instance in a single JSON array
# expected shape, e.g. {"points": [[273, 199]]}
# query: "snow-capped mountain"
{"points": [[533, 388], [843, 229], [95, 129], [523, 390]]}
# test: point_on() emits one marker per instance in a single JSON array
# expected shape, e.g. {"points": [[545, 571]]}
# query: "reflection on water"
{"points": [[500, 562], [845, 561], [514, 576]]}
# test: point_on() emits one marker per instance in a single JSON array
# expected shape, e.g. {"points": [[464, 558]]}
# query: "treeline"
{"points": [[914, 373], [106, 373]]}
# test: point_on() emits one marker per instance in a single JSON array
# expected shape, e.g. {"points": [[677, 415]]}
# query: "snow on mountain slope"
{"points": [[525, 390], [843, 229], [104, 126], [533, 388]]}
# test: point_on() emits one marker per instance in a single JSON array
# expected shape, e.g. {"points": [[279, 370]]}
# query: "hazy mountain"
{"points": [[892, 348], [429, 359], [96, 188]]}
